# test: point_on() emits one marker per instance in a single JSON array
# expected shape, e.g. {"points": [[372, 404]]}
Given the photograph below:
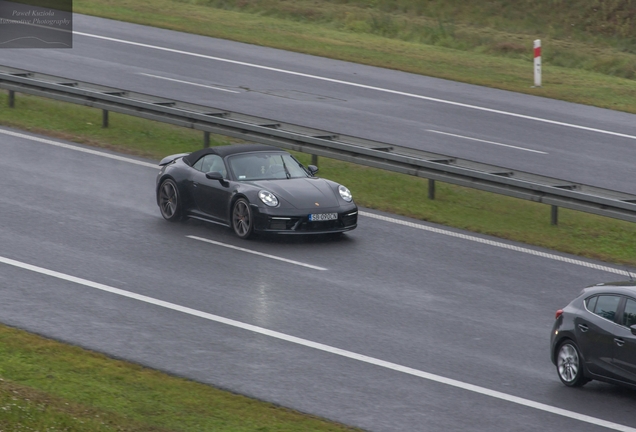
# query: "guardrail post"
{"points": [[104, 118], [314, 159], [11, 98], [431, 189], [554, 217], [206, 139]]}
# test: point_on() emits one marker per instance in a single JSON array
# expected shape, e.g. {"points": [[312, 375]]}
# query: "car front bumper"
{"points": [[286, 221]]}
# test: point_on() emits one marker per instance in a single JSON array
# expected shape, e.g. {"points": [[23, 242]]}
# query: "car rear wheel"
{"points": [[242, 218], [569, 365], [169, 201]]}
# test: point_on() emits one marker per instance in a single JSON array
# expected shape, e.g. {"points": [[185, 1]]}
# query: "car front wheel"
{"points": [[169, 201], [242, 218], [569, 365]]}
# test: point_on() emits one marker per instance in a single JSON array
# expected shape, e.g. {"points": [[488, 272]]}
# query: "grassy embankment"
{"points": [[589, 58]]}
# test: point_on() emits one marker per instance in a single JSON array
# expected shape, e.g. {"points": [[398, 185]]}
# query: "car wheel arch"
{"points": [[161, 180], [235, 197], [560, 341], [584, 375], [186, 199]]}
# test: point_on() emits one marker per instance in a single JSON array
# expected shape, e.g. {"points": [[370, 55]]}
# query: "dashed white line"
{"points": [[274, 257], [419, 226], [352, 84], [189, 83], [326, 348], [484, 141]]}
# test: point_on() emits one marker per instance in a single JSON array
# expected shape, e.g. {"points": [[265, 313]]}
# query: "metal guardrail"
{"points": [[405, 160]]}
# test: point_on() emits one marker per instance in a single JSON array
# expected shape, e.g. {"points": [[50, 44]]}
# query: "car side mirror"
{"points": [[633, 329], [214, 175], [313, 169]]}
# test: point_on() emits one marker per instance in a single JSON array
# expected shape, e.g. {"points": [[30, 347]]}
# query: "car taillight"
{"points": [[558, 313]]}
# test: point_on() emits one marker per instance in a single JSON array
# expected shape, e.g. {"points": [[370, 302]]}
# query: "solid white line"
{"points": [[484, 141], [298, 263], [325, 348], [496, 244], [188, 82], [380, 89], [79, 149]]}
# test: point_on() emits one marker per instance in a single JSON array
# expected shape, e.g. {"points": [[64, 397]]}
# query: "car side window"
{"points": [[211, 163], [629, 316], [590, 303], [606, 306], [198, 164]]}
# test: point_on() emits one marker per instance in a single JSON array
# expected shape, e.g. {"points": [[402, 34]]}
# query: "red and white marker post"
{"points": [[537, 63]]}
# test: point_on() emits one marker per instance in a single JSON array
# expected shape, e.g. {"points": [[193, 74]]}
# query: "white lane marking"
{"points": [[325, 348], [298, 263], [484, 141], [79, 149], [496, 244], [188, 82], [363, 213], [349, 83]]}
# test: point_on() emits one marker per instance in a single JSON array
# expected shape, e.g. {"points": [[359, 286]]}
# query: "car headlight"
{"points": [[268, 198], [345, 193]]}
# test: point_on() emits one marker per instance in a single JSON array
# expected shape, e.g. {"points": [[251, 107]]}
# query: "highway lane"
{"points": [[446, 304], [563, 140]]}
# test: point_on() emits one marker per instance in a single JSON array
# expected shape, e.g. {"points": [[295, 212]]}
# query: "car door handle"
{"points": [[619, 342], [583, 328], [195, 184]]}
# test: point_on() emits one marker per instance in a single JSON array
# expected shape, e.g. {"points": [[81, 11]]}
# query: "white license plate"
{"points": [[323, 217]]}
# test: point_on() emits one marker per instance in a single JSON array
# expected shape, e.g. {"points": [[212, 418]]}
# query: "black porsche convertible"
{"points": [[253, 188]]}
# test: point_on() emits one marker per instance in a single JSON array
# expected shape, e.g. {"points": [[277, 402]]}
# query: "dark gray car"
{"points": [[594, 337]]}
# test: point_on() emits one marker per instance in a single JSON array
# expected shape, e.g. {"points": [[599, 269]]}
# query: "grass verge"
{"points": [[49, 386]]}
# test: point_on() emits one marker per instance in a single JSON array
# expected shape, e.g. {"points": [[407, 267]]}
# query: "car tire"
{"points": [[242, 220], [569, 365], [169, 201]]}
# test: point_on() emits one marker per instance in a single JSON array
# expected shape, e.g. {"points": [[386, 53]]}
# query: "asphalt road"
{"points": [[563, 140], [398, 325]]}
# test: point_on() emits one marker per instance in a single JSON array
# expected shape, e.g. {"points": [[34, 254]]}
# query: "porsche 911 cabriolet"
{"points": [[253, 188]]}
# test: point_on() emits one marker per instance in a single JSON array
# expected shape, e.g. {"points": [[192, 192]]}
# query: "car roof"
{"points": [[623, 287], [228, 150]]}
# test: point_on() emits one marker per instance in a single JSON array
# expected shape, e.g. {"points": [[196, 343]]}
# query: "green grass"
{"points": [[589, 58], [49, 386]]}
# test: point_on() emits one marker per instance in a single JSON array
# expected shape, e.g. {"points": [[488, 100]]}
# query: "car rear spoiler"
{"points": [[169, 159]]}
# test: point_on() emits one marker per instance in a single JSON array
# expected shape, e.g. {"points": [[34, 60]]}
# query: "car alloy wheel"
{"points": [[569, 366], [242, 218], [169, 202]]}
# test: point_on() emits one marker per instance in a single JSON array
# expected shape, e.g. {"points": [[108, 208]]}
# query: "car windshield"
{"points": [[266, 166]]}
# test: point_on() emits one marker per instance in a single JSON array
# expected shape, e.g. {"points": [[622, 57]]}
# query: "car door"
{"points": [[625, 344], [595, 334], [210, 196]]}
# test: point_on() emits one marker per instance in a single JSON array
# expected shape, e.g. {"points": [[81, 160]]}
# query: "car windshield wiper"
{"points": [[285, 166]]}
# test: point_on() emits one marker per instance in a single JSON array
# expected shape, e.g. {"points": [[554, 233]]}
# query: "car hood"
{"points": [[302, 193]]}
